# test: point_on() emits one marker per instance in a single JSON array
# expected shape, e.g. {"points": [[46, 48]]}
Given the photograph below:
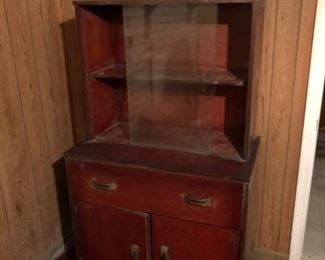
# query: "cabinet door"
{"points": [[178, 240], [107, 233]]}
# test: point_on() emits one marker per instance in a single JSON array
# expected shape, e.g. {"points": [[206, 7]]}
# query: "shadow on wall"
{"points": [[63, 201], [75, 79], [76, 101]]}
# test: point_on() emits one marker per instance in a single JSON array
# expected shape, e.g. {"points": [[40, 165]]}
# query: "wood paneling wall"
{"points": [[39, 68], [35, 126], [286, 48]]}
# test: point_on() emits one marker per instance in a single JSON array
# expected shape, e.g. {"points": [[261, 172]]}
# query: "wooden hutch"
{"points": [[170, 98]]}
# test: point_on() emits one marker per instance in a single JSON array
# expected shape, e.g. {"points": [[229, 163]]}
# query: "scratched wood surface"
{"points": [[287, 36], [40, 66]]}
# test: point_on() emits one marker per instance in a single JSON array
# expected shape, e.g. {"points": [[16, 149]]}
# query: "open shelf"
{"points": [[200, 141], [174, 67], [218, 76], [110, 72]]}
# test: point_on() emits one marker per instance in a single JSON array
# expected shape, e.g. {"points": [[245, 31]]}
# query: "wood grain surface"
{"points": [[287, 37], [39, 67], [35, 127]]}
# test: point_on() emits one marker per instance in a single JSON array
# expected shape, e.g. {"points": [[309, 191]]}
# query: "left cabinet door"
{"points": [[107, 233]]}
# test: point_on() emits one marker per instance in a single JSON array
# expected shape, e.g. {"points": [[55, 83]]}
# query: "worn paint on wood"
{"points": [[20, 176]]}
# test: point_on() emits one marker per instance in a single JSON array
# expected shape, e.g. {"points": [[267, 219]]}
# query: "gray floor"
{"points": [[314, 247]]}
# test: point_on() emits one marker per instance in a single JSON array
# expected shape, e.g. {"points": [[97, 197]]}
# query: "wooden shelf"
{"points": [[208, 142], [110, 72], [218, 76]]}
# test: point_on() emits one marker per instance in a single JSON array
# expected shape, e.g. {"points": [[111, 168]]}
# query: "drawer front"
{"points": [[163, 193]]}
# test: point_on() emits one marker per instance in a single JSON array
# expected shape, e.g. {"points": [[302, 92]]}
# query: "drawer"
{"points": [[163, 193]]}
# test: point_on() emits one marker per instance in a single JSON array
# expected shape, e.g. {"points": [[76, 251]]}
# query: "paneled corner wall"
{"points": [[35, 128], [286, 49], [40, 82]]}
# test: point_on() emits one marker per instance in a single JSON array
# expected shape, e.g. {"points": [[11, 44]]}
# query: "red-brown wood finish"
{"points": [[108, 233], [103, 46], [158, 192], [170, 160], [137, 202], [176, 240]]}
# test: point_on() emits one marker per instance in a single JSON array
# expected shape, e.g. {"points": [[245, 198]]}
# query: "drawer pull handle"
{"points": [[135, 252], [164, 253], [198, 202], [111, 186]]}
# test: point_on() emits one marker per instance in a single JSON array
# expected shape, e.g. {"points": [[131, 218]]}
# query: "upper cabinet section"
{"points": [[169, 76]]}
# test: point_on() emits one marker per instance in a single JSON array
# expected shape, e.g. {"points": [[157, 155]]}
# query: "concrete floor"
{"points": [[314, 247]]}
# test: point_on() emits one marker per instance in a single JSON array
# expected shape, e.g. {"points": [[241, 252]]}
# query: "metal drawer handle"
{"points": [[111, 186], [164, 253], [135, 252], [198, 202]]}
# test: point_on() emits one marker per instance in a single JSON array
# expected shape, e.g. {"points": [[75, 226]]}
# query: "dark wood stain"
{"points": [[133, 201]]}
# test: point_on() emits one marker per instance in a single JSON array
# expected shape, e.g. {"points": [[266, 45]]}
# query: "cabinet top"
{"points": [[149, 2], [166, 160]]}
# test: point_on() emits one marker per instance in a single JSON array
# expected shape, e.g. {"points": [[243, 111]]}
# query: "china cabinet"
{"points": [[169, 89]]}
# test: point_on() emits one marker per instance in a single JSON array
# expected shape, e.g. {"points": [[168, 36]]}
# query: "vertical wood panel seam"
{"points": [[7, 219], [43, 119], [50, 84], [24, 123], [1, 189], [272, 239], [268, 116], [290, 123], [291, 106], [273, 220]]}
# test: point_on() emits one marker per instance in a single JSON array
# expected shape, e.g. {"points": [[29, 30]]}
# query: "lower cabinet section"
{"points": [[179, 240], [107, 233], [135, 213]]}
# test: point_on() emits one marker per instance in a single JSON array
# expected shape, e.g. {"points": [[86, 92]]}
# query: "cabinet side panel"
{"points": [[101, 45], [254, 73], [238, 19]]}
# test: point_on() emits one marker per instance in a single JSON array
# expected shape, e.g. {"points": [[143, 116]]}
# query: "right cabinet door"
{"points": [[175, 239]]}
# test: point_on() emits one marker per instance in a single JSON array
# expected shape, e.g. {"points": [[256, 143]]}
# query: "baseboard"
{"points": [[60, 249], [264, 254]]}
